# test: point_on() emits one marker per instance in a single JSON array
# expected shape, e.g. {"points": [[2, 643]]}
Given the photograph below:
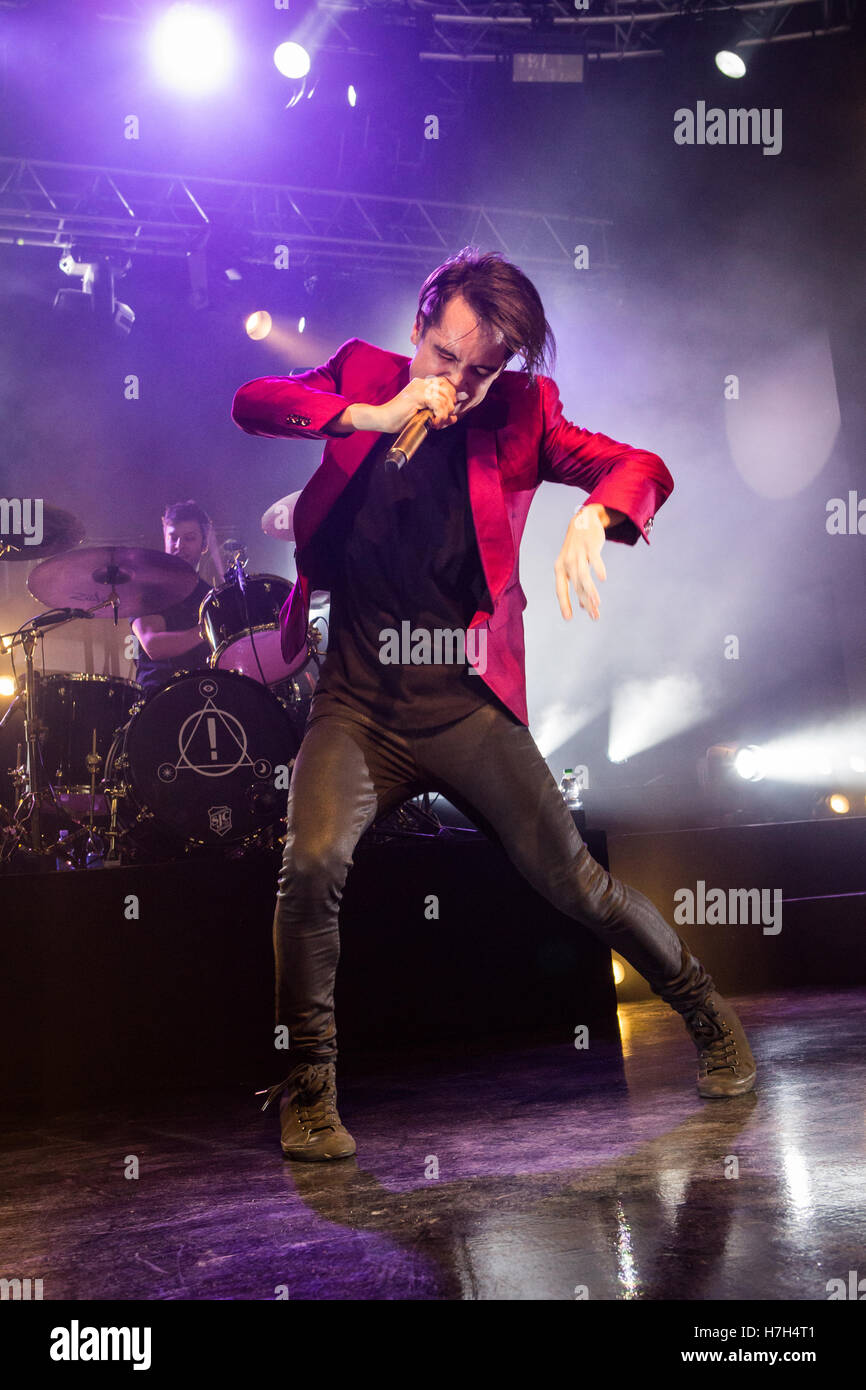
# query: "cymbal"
{"points": [[60, 531], [146, 581]]}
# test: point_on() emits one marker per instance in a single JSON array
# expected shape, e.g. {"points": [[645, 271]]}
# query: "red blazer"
{"points": [[516, 438]]}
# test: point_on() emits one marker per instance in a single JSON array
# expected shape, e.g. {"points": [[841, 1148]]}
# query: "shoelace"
{"points": [[307, 1081], [718, 1049], [318, 1113]]}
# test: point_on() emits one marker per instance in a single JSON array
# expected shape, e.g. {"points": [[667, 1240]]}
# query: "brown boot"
{"points": [[310, 1127], [726, 1066]]}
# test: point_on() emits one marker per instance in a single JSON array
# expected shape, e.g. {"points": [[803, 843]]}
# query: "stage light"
{"points": [[858, 763], [95, 300], [618, 972], [839, 804], [302, 323], [191, 49], [730, 64], [749, 763], [258, 325], [351, 95], [292, 60], [7, 686]]}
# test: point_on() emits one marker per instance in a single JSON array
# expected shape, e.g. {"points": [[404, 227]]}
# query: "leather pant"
{"points": [[348, 772]]}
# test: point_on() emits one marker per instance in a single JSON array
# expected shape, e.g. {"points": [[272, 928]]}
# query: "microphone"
{"points": [[59, 615], [238, 552], [409, 439]]}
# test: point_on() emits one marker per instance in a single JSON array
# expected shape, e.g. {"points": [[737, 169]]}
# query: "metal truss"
{"points": [[484, 31], [106, 211]]}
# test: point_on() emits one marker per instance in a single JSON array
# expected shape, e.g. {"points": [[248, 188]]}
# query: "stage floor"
{"points": [[558, 1171]]}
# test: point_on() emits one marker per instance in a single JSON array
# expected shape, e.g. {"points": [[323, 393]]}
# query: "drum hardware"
{"points": [[115, 581], [89, 739], [128, 580]]}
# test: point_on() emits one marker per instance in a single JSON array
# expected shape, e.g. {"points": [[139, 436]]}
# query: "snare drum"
{"points": [[204, 762], [243, 628]]}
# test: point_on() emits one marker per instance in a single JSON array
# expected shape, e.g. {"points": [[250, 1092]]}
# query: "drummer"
{"points": [[172, 640]]}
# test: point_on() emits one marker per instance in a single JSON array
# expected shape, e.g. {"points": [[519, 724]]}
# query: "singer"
{"points": [[434, 541], [172, 640]]}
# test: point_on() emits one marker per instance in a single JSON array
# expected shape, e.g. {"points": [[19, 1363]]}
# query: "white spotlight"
{"points": [[351, 95], [191, 48], [292, 60], [302, 323], [749, 763], [730, 64], [258, 325]]}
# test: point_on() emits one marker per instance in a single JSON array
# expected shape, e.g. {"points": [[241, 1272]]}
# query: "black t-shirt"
{"points": [[153, 675], [406, 581]]}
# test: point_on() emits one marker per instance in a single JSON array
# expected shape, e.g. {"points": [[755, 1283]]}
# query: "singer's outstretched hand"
{"points": [[436, 393]]}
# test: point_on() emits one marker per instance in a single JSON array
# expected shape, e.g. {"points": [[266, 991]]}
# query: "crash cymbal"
{"points": [[60, 531], [146, 581]]}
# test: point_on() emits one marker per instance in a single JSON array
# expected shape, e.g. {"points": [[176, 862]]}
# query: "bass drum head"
{"points": [[207, 758]]}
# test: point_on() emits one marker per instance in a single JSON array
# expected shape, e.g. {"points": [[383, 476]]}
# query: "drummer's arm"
{"points": [[159, 644]]}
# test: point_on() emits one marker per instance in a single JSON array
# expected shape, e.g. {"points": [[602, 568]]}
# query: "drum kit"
{"points": [[91, 772]]}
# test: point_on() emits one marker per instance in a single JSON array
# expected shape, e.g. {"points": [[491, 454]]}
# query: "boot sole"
{"points": [[302, 1157], [740, 1088]]}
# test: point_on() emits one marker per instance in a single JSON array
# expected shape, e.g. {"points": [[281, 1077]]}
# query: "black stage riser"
{"points": [[819, 867], [95, 1003]]}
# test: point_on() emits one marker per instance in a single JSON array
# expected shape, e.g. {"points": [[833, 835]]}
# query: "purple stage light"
{"points": [[292, 60], [192, 49]]}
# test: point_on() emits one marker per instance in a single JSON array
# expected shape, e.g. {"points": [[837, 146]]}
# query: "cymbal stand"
{"points": [[31, 740]]}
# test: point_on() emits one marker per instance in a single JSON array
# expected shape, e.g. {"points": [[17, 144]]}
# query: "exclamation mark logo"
{"points": [[211, 733]]}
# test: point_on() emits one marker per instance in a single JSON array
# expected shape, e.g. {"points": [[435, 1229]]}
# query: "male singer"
{"points": [[434, 544]]}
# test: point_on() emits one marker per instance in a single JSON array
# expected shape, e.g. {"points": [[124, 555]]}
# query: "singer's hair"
{"points": [[187, 511], [504, 299]]}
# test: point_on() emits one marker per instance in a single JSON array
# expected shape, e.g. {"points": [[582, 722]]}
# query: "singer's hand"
{"points": [[435, 392]]}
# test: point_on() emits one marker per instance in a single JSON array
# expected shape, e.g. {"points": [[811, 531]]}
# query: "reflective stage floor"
{"points": [[536, 1173]]}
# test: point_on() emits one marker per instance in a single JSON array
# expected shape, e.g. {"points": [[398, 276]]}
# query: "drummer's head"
{"points": [[185, 527]]}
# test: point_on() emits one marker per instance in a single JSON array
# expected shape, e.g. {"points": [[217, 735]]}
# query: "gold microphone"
{"points": [[409, 439]]}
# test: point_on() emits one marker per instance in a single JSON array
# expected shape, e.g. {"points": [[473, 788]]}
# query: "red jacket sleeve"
{"points": [[295, 407], [616, 475]]}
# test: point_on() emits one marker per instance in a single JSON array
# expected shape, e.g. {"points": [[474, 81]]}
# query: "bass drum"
{"points": [[205, 762]]}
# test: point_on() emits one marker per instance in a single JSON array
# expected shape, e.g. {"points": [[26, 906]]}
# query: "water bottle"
{"points": [[61, 862], [570, 789]]}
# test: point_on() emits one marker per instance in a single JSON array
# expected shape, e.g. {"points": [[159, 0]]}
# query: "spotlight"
{"points": [[351, 95], [730, 64], [95, 300], [838, 803], [292, 60], [749, 763], [7, 686], [618, 971], [191, 48], [302, 323], [258, 325]]}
